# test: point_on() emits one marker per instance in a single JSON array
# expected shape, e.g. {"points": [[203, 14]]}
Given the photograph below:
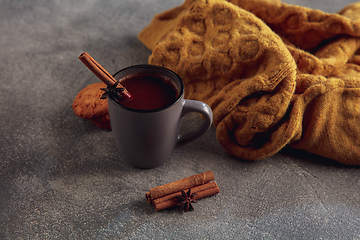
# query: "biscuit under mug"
{"points": [[147, 138]]}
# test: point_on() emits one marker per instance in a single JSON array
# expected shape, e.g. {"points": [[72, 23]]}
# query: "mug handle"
{"points": [[203, 109]]}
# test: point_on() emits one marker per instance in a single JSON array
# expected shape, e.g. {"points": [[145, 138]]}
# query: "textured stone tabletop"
{"points": [[61, 177]]}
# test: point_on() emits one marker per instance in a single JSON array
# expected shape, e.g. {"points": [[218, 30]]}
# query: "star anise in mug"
{"points": [[186, 199], [112, 90]]}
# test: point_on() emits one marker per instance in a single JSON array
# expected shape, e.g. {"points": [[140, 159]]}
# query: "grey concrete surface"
{"points": [[61, 177]]}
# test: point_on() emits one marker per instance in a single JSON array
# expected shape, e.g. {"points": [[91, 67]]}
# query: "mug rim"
{"points": [[150, 66]]}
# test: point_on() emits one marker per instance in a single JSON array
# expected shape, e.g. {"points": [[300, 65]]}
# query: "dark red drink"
{"points": [[148, 92]]}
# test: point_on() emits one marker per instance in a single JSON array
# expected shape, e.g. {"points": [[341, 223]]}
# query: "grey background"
{"points": [[61, 177]]}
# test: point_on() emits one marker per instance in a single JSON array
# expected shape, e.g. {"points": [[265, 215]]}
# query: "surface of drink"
{"points": [[148, 92]]}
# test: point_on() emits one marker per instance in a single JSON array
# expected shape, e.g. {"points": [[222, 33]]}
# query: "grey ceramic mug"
{"points": [[147, 138]]}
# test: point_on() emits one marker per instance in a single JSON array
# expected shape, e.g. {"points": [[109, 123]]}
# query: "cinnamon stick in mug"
{"points": [[179, 185], [101, 72]]}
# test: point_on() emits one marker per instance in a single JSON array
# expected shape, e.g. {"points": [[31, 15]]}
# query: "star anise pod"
{"points": [[112, 90], [186, 199]]}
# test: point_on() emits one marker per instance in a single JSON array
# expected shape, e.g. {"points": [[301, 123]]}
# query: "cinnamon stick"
{"points": [[179, 185], [202, 191], [101, 72], [164, 196]]}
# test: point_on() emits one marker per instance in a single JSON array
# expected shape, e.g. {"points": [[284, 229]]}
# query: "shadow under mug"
{"points": [[147, 138]]}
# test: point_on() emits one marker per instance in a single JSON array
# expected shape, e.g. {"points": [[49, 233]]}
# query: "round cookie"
{"points": [[89, 105]]}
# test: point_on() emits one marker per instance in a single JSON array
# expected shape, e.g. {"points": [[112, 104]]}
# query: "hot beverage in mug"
{"points": [[148, 91], [146, 125]]}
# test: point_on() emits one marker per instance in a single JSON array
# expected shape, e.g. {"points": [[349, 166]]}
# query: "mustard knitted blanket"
{"points": [[274, 74]]}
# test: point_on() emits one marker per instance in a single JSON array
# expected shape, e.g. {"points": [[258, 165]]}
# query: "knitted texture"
{"points": [[274, 74]]}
